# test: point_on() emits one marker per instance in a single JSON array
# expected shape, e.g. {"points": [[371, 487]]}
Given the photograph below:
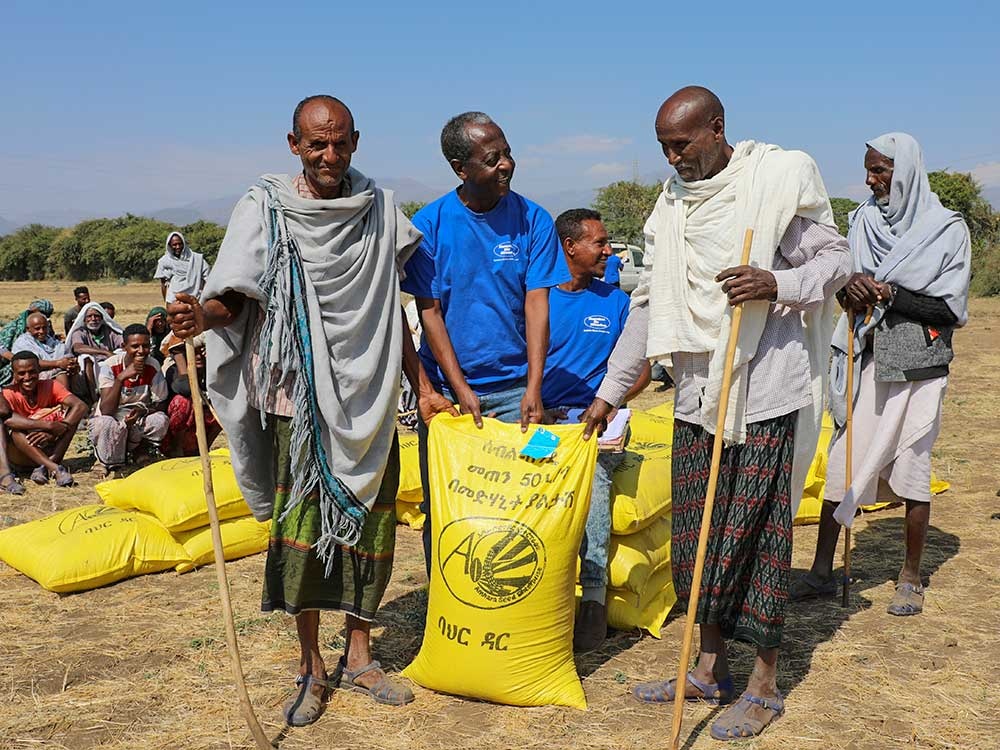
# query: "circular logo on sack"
{"points": [[489, 563]]}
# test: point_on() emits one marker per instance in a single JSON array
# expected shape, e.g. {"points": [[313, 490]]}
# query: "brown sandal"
{"points": [[306, 707]]}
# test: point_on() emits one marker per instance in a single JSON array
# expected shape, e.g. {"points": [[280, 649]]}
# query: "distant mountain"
{"points": [[216, 210], [556, 203]]}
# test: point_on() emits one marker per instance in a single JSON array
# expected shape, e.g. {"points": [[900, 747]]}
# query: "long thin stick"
{"points": [[848, 460], [220, 559], [706, 519]]}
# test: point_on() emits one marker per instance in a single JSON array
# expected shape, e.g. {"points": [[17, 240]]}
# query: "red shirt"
{"points": [[50, 393]]}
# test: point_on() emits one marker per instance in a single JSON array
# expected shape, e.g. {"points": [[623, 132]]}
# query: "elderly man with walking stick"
{"points": [[754, 377], [305, 342], [910, 291]]}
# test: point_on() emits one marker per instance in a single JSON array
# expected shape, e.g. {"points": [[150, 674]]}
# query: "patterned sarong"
{"points": [[293, 576], [745, 584]]}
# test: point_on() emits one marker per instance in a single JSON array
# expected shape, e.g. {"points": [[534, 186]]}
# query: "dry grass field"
{"points": [[143, 663]]}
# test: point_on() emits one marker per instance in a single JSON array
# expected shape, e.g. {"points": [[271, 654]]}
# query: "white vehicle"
{"points": [[631, 256]]}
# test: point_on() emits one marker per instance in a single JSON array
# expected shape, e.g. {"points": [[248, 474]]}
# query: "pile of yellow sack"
{"points": [[153, 520]]}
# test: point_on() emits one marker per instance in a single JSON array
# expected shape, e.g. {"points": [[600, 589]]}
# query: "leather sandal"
{"points": [[306, 707], [384, 691]]}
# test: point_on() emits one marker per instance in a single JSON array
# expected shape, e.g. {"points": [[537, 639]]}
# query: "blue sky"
{"points": [[113, 107]]}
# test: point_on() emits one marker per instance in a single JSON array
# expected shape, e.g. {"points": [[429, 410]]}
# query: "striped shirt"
{"points": [[811, 263]]}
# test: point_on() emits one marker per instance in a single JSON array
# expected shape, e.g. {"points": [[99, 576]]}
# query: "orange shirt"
{"points": [[50, 393]]}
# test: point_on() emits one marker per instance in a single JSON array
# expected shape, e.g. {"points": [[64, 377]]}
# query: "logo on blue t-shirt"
{"points": [[596, 324], [506, 251]]}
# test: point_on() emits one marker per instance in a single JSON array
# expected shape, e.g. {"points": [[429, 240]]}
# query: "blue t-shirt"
{"points": [[611, 271], [480, 266], [583, 329]]}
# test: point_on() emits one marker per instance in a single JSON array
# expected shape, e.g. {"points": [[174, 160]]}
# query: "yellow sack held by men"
{"points": [[640, 485], [90, 546], [174, 492], [506, 535]]}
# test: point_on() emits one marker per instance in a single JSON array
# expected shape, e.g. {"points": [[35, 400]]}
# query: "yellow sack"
{"points": [[633, 559], [94, 545], [410, 488], [640, 485], [240, 537], [410, 514], [506, 537], [647, 611], [174, 492]]}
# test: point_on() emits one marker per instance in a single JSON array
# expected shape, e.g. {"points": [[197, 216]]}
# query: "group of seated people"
{"points": [[129, 384]]}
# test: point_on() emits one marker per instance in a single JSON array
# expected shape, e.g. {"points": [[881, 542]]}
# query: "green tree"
{"points": [[625, 206], [24, 254], [203, 237], [411, 207], [841, 207]]}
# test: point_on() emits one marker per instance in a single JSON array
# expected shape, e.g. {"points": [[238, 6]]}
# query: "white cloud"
{"points": [[581, 144], [608, 169], [987, 175]]}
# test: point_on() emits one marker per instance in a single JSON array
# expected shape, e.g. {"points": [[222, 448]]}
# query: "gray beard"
{"points": [[883, 201]]}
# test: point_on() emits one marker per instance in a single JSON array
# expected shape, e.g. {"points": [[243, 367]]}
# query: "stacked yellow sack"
{"points": [[640, 581], [812, 497], [173, 492], [94, 545], [410, 488], [506, 539]]}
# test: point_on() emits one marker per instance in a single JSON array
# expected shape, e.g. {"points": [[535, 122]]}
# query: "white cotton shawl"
{"points": [[695, 231], [185, 273], [350, 248], [914, 242]]}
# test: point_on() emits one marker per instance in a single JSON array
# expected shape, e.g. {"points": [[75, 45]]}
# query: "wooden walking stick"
{"points": [[849, 444], [706, 519], [848, 460], [246, 706]]}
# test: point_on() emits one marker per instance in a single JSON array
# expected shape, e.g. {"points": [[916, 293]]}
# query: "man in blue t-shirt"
{"points": [[586, 317], [481, 278], [612, 272]]}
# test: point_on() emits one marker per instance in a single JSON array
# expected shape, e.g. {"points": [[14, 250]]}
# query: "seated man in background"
{"points": [[92, 338], [44, 417], [53, 361], [82, 295], [133, 395], [109, 308], [586, 317], [156, 324], [8, 480], [181, 438], [14, 328]]}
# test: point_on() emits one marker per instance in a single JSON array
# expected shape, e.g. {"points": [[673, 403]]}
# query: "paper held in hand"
{"points": [[614, 438]]}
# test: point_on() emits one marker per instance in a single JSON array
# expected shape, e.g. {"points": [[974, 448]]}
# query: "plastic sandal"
{"points": [[11, 486], [812, 587], [734, 723], [40, 475], [714, 693], [63, 477], [908, 600], [384, 691], [306, 707]]}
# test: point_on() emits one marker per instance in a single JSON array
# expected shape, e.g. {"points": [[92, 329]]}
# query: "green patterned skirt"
{"points": [[744, 587], [293, 576]]}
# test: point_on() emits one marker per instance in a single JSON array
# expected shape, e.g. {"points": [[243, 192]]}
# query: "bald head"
{"points": [[37, 325], [319, 106], [691, 128]]}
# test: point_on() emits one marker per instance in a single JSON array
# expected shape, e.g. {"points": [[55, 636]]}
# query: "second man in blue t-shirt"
{"points": [[481, 278]]}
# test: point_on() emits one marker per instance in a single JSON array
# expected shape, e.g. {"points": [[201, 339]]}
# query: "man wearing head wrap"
{"points": [[912, 265], [92, 338], [181, 270], [13, 329], [682, 312]]}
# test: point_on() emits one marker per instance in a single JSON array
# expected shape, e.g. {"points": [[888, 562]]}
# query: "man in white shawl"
{"points": [[180, 270], [912, 264], [305, 339], [682, 312], [53, 361]]}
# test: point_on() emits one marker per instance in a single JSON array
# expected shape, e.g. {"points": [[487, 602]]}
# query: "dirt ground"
{"points": [[143, 663]]}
